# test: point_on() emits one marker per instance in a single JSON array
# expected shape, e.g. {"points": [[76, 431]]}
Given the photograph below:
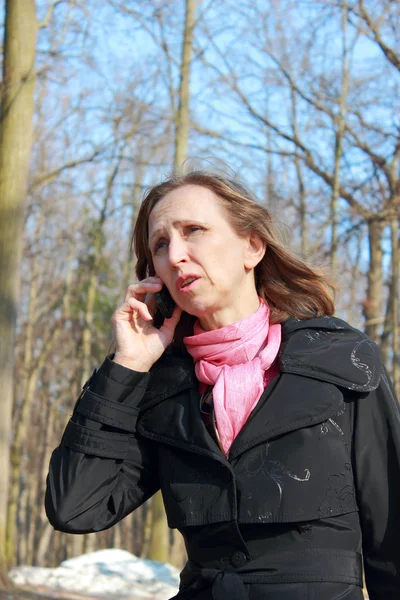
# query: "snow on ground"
{"points": [[105, 573], [108, 574]]}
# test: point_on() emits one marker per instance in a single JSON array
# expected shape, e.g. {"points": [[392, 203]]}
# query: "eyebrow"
{"points": [[175, 223]]}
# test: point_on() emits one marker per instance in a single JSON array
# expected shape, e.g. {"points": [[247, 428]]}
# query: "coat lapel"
{"points": [[170, 409], [290, 402], [316, 356]]}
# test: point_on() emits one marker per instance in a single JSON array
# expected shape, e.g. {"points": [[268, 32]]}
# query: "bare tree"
{"points": [[301, 119], [16, 112], [374, 197], [394, 301], [339, 122], [182, 117]]}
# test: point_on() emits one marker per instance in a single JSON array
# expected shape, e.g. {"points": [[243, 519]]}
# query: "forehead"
{"points": [[185, 203]]}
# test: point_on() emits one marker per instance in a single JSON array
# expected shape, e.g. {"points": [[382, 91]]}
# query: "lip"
{"points": [[181, 280], [189, 287]]}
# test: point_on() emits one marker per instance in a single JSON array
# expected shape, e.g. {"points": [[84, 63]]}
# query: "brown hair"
{"points": [[287, 284]]}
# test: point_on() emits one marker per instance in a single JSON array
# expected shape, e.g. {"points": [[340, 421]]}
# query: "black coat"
{"points": [[311, 485]]}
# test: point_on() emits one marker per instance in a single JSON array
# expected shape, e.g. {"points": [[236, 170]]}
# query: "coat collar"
{"points": [[289, 403], [324, 350], [329, 349]]}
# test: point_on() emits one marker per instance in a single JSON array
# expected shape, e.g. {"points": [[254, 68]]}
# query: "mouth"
{"points": [[188, 286]]}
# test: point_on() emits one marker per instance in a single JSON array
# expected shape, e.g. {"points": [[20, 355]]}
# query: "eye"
{"points": [[191, 228], [195, 228], [158, 246]]}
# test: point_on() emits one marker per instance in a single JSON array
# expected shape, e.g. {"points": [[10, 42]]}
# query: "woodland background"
{"points": [[102, 98]]}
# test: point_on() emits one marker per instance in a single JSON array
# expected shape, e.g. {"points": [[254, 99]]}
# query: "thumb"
{"points": [[169, 325]]}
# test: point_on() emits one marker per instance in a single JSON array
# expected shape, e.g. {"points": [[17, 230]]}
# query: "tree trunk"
{"points": [[17, 106], [159, 543], [20, 436], [29, 384], [147, 527], [41, 537], [128, 273], [373, 308], [87, 331], [43, 549], [75, 545], [300, 181], [271, 199], [177, 555], [137, 526], [68, 281], [30, 516], [387, 326], [302, 209], [340, 124], [89, 541], [23, 519], [354, 307], [93, 280], [182, 118], [160, 534], [90, 302], [395, 304], [117, 535]]}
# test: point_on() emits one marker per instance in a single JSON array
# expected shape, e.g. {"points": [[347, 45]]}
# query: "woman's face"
{"points": [[189, 234]]}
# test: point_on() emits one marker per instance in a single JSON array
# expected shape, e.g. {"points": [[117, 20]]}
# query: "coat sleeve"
{"points": [[377, 475], [102, 471]]}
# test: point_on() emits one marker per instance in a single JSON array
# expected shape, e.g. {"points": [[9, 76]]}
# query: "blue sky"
{"points": [[108, 64]]}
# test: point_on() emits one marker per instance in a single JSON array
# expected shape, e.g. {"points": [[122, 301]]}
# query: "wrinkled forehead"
{"points": [[183, 204]]}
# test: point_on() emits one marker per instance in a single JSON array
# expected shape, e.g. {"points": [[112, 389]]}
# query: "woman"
{"points": [[270, 426]]}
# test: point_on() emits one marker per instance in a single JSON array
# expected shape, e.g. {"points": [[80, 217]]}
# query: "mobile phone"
{"points": [[165, 302]]}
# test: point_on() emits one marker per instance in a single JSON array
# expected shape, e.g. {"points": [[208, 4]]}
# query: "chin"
{"points": [[197, 309]]}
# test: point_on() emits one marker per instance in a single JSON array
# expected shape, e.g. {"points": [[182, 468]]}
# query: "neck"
{"points": [[227, 315]]}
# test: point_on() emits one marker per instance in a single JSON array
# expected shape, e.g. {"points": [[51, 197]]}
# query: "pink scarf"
{"points": [[237, 360]]}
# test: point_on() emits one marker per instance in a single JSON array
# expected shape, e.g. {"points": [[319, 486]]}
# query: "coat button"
{"points": [[238, 559]]}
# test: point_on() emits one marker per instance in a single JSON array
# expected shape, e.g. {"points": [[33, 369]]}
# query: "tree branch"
{"points": [[49, 14], [41, 180], [387, 50]]}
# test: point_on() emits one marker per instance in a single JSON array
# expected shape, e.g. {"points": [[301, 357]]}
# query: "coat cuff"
{"points": [[118, 383], [110, 397], [96, 443]]}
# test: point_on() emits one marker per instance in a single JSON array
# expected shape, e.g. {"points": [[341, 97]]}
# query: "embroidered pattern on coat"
{"points": [[273, 469], [324, 429], [339, 494], [315, 336], [360, 365]]}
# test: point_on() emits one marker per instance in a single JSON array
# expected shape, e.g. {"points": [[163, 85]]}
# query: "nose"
{"points": [[177, 251]]}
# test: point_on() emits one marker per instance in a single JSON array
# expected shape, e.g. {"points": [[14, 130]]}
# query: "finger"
{"points": [[122, 313], [171, 323], [139, 290], [139, 308]]}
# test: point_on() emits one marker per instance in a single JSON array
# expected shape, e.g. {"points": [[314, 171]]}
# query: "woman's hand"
{"points": [[138, 343]]}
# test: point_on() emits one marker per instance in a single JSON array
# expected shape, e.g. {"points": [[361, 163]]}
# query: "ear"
{"points": [[254, 250]]}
